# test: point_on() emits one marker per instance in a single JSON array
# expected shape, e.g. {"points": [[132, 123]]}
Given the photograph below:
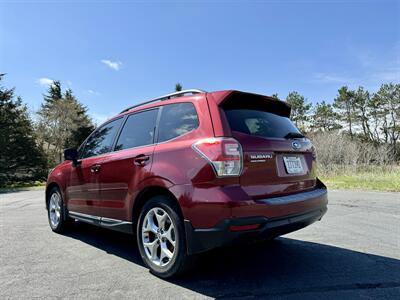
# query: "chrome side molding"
{"points": [[119, 225]]}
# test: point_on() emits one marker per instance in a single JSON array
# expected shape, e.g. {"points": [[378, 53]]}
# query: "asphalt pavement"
{"points": [[353, 253]]}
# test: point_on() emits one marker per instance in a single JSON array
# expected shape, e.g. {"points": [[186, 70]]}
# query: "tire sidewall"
{"points": [[177, 261]]}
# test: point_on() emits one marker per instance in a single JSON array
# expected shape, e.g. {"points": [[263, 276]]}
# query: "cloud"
{"points": [[115, 65], [331, 78], [388, 75], [371, 78], [45, 81], [91, 92], [368, 69]]}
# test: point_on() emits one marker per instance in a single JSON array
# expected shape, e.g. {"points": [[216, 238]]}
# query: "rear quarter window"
{"points": [[176, 120]]}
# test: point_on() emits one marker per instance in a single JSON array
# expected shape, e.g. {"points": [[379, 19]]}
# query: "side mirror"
{"points": [[71, 154]]}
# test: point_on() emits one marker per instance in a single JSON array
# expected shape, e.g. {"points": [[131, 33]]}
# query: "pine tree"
{"points": [[178, 87], [361, 101], [300, 109], [344, 102], [275, 96], [325, 118], [63, 121], [54, 93], [85, 124], [389, 98], [21, 159]]}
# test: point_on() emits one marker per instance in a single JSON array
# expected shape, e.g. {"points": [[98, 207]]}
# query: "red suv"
{"points": [[188, 172]]}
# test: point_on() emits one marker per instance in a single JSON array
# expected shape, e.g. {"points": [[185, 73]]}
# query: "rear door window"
{"points": [[138, 130], [176, 120], [260, 123]]}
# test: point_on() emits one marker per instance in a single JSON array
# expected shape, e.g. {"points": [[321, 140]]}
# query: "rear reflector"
{"points": [[224, 154], [243, 227]]}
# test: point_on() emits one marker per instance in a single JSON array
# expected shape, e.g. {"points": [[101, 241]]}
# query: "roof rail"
{"points": [[166, 97]]}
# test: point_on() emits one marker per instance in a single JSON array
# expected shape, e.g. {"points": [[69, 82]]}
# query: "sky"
{"points": [[113, 54]]}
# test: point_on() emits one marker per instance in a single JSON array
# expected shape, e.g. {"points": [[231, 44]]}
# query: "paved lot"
{"points": [[354, 252]]}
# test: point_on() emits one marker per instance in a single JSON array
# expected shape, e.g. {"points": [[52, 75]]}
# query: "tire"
{"points": [[163, 248], [56, 211]]}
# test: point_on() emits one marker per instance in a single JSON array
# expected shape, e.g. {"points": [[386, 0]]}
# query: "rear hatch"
{"points": [[278, 159]]}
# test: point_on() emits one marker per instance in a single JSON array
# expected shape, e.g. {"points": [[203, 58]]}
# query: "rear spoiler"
{"points": [[236, 99]]}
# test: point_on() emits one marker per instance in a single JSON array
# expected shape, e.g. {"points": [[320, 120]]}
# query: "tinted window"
{"points": [[101, 140], [138, 130], [177, 119], [261, 123]]}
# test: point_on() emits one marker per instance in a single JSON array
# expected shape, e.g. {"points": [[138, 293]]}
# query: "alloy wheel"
{"points": [[158, 237], [55, 210]]}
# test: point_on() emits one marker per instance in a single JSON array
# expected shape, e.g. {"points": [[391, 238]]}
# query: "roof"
{"points": [[220, 97]]}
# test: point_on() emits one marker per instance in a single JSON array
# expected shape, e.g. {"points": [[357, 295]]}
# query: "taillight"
{"points": [[224, 154]]}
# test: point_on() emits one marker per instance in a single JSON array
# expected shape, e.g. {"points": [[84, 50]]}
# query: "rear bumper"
{"points": [[200, 240]]}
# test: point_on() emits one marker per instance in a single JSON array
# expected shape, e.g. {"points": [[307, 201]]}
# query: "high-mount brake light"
{"points": [[224, 154]]}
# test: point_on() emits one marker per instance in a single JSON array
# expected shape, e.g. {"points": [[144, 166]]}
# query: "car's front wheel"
{"points": [[161, 238], [55, 211]]}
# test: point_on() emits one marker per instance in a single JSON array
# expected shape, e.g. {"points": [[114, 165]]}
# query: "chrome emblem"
{"points": [[260, 157], [296, 145]]}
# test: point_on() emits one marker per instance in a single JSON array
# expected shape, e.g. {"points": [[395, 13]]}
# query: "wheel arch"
{"points": [[146, 194]]}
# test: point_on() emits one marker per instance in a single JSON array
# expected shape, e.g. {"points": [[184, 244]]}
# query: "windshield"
{"points": [[260, 123]]}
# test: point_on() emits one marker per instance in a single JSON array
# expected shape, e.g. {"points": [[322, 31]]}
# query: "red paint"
{"points": [[175, 166]]}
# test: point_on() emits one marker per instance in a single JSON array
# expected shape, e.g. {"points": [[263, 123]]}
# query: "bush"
{"points": [[338, 153]]}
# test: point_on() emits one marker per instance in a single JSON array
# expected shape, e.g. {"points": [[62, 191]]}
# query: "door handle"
{"points": [[141, 160], [95, 168]]}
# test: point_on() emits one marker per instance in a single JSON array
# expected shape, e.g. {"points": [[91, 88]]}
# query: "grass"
{"points": [[20, 186], [375, 180], [364, 178]]}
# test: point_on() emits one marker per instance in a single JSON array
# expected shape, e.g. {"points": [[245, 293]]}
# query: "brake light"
{"points": [[224, 154]]}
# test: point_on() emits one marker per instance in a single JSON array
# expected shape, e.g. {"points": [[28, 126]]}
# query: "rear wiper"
{"points": [[292, 135]]}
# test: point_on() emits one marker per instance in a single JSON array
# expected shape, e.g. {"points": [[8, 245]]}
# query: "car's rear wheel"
{"points": [[55, 211], [161, 238]]}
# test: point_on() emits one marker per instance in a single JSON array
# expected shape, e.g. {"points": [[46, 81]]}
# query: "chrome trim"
{"points": [[84, 217], [116, 224], [108, 222], [165, 97]]}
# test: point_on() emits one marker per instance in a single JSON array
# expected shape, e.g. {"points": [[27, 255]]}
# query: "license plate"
{"points": [[293, 165]]}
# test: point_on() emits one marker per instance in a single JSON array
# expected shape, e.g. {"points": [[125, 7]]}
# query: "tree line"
{"points": [[30, 146], [370, 118]]}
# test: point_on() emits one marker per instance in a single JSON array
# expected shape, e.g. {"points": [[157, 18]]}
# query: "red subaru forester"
{"points": [[188, 172]]}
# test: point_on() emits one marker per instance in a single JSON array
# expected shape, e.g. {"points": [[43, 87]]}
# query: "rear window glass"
{"points": [[177, 119], [260, 123], [138, 130]]}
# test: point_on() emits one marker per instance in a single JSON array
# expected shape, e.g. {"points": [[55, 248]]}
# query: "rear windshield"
{"points": [[260, 123]]}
